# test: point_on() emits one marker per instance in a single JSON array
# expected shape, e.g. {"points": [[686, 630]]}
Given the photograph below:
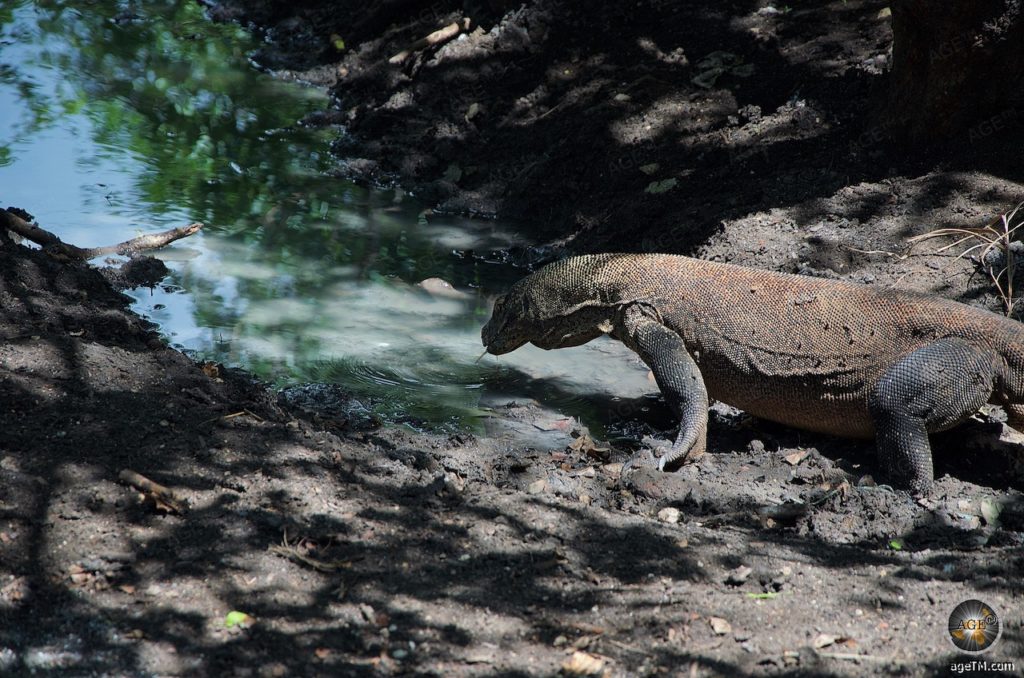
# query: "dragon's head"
{"points": [[555, 307]]}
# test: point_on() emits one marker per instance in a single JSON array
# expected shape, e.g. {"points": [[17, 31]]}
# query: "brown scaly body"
{"points": [[822, 355]]}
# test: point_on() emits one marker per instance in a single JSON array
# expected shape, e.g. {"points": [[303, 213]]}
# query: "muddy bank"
{"points": [[375, 551]]}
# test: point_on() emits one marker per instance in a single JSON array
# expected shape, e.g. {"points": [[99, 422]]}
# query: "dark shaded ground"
{"points": [[455, 556]]}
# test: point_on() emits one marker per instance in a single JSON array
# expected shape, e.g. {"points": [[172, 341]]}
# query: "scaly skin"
{"points": [[822, 355]]}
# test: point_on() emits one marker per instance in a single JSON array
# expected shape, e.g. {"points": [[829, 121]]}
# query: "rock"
{"points": [[669, 514], [720, 626], [738, 576]]}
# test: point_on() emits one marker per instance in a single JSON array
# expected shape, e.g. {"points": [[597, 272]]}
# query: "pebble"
{"points": [[50, 659], [669, 514], [738, 576], [8, 659]]}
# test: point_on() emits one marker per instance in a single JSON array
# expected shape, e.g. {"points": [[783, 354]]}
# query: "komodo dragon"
{"points": [[822, 355]]}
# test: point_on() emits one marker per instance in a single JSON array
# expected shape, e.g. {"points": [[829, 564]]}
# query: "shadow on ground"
{"points": [[437, 555]]}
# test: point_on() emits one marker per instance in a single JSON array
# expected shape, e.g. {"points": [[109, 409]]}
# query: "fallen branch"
{"points": [[152, 241], [54, 245], [438, 37], [163, 498]]}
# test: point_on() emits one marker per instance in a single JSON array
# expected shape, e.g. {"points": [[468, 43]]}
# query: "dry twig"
{"points": [[162, 497], [998, 234], [292, 551]]}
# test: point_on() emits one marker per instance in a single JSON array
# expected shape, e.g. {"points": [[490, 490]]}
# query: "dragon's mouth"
{"points": [[495, 343], [498, 347]]}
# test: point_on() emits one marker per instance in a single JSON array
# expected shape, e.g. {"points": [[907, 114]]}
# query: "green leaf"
{"points": [[236, 618], [770, 595], [661, 186], [990, 511], [453, 173], [743, 70], [896, 544]]}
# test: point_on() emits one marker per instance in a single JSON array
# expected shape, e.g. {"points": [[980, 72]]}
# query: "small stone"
{"points": [[669, 514], [275, 670], [537, 486], [756, 446], [622, 98], [720, 626], [738, 576], [824, 640]]}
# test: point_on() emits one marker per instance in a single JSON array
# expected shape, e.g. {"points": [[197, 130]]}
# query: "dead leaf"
{"points": [[612, 469], [555, 425], [796, 457], [585, 444], [582, 664]]}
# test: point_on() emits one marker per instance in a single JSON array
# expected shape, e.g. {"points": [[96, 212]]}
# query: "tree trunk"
{"points": [[957, 68]]}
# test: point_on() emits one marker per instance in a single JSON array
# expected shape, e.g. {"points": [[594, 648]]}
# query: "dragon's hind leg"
{"points": [[931, 389]]}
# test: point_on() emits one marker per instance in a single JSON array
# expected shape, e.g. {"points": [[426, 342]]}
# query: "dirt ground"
{"points": [[367, 551]]}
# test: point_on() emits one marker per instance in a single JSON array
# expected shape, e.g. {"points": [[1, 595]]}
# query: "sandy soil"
{"points": [[356, 551]]}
